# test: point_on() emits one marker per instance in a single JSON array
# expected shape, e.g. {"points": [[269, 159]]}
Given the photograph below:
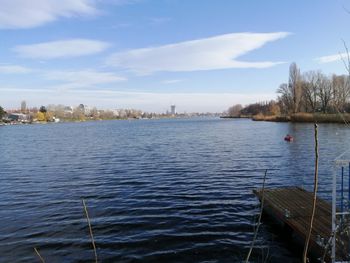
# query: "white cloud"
{"points": [[27, 14], [61, 49], [219, 52], [13, 69], [172, 81], [121, 25], [159, 20], [332, 58], [82, 78]]}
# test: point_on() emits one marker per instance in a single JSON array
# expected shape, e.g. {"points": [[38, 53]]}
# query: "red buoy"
{"points": [[288, 138]]}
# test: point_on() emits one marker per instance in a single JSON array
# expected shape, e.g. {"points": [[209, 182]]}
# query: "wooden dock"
{"points": [[292, 207]]}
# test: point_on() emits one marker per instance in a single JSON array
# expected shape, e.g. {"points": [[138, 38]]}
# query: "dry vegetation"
{"points": [[307, 97]]}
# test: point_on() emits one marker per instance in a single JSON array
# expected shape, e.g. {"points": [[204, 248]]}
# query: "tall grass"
{"points": [[306, 117], [276, 118], [320, 117]]}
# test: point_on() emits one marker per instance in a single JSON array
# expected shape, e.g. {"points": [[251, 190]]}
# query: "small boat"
{"points": [[288, 138]]}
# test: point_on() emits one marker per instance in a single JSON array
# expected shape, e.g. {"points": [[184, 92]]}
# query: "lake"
{"points": [[177, 190]]}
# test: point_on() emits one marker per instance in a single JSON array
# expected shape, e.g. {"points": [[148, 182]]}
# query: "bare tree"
{"points": [[346, 58], [285, 98], [235, 110], [294, 85], [310, 89], [341, 91], [325, 92], [78, 114], [94, 113], [291, 94]]}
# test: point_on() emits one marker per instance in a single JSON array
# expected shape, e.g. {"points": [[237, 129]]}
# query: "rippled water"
{"points": [[156, 190]]}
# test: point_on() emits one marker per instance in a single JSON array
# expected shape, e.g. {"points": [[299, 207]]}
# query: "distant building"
{"points": [[55, 119], [18, 117], [81, 107], [23, 106], [172, 109], [68, 109], [86, 110]]}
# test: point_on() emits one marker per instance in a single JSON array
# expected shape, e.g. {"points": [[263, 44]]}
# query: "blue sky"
{"points": [[201, 55]]}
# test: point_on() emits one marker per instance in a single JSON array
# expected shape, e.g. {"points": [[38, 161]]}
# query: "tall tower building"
{"points": [[23, 106], [173, 109]]}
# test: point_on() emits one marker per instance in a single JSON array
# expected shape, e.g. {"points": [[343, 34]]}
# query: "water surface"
{"points": [[156, 190]]}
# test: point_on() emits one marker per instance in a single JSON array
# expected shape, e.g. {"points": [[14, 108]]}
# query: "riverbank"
{"points": [[236, 117], [9, 123], [305, 117]]}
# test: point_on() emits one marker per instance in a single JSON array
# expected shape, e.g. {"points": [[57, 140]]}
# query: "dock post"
{"points": [[342, 191], [334, 211], [349, 190]]}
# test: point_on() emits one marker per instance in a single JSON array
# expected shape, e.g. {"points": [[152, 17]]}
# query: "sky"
{"points": [[201, 55]]}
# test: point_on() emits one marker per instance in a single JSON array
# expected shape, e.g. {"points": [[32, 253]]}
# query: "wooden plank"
{"points": [[292, 206]]}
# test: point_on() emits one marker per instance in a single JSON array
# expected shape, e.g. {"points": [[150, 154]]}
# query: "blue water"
{"points": [[156, 190]]}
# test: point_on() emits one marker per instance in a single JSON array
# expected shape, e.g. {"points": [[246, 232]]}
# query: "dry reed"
{"points": [[259, 220], [306, 247], [39, 256], [90, 229]]}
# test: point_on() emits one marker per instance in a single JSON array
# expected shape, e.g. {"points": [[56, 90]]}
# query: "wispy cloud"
{"points": [[27, 14], [172, 81], [332, 58], [61, 49], [13, 69], [219, 52], [159, 20], [82, 78], [119, 2], [121, 25]]}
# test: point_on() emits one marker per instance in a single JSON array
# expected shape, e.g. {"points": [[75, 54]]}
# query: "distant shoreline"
{"points": [[236, 117], [99, 120], [298, 118], [294, 118]]}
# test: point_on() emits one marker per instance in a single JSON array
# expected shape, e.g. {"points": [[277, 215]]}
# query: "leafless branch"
{"points": [[306, 247], [328, 245], [346, 10], [346, 60], [259, 220]]}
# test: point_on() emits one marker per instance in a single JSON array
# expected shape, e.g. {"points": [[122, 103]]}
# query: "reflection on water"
{"points": [[157, 190]]}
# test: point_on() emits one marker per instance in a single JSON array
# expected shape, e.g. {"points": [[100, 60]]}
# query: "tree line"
{"points": [[2, 113], [305, 92], [313, 91], [266, 108]]}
